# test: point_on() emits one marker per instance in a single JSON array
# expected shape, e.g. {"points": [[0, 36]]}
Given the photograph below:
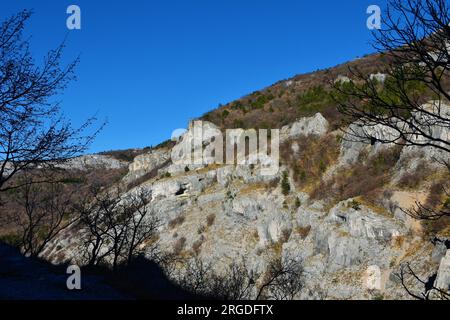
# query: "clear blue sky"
{"points": [[151, 65]]}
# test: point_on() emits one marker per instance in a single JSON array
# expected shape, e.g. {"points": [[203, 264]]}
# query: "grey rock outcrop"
{"points": [[92, 161], [146, 163], [443, 276], [359, 138], [316, 125], [232, 213], [380, 77]]}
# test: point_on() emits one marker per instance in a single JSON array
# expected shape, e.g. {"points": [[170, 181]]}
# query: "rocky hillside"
{"points": [[336, 206], [341, 216]]}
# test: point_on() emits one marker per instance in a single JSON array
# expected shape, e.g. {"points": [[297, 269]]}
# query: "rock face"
{"points": [[316, 125], [145, 163], [342, 79], [373, 278], [380, 77], [413, 155], [360, 138], [443, 276], [93, 161], [373, 138], [230, 213]]}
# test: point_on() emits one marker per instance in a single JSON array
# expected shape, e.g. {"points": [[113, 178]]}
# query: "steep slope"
{"points": [[350, 245], [335, 206]]}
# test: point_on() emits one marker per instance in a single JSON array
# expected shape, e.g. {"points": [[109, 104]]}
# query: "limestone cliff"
{"points": [[349, 248]]}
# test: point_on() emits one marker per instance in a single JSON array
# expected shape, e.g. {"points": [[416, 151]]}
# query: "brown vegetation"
{"points": [[364, 177], [179, 245], [314, 156], [210, 219], [176, 221], [286, 101]]}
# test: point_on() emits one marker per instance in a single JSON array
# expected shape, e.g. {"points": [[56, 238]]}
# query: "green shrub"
{"points": [[313, 100], [378, 297], [355, 205], [238, 124], [446, 203], [210, 219], [298, 203], [72, 180], [260, 102], [285, 186], [225, 113]]}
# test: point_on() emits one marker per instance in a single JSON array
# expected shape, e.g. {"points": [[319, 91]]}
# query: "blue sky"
{"points": [[149, 66]]}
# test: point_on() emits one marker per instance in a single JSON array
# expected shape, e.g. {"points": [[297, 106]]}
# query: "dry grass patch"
{"points": [[179, 245], [315, 155], [439, 200], [210, 219], [412, 180], [303, 231], [253, 188], [176, 221], [364, 177]]}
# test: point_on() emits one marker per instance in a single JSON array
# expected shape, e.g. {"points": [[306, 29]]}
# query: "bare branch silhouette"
{"points": [[32, 129]]}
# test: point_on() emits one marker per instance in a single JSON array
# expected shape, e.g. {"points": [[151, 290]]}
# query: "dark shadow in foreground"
{"points": [[23, 278]]}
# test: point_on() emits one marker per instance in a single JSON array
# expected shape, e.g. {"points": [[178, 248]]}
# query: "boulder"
{"points": [[92, 161], [316, 125], [443, 276], [380, 77], [145, 163], [372, 278]]}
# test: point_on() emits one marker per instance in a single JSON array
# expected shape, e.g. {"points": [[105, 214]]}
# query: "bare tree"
{"points": [[143, 224], [282, 281], [426, 212], [195, 276], [32, 129], [430, 290], [415, 46], [238, 283], [118, 226], [45, 211]]}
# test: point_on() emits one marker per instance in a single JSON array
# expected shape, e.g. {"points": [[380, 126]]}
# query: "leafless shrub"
{"points": [[176, 221], [407, 274], [45, 210], [117, 226], [282, 281], [196, 246], [314, 156], [414, 179], [179, 245], [33, 131], [303, 231], [210, 219], [361, 179], [285, 235]]}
